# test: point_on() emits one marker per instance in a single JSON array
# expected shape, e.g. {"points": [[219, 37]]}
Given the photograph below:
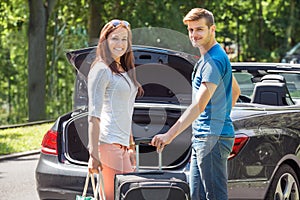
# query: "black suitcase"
{"points": [[151, 185]]}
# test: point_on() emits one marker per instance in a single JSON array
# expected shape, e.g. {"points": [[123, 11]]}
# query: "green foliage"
{"points": [[261, 29], [13, 61], [66, 31], [21, 139]]}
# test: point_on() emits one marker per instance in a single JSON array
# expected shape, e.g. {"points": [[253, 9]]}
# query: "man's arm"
{"points": [[235, 90], [204, 94]]}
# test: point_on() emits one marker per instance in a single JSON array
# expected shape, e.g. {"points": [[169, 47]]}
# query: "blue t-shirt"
{"points": [[214, 67]]}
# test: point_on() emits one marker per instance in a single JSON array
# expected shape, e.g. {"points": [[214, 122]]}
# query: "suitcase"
{"points": [[151, 185]]}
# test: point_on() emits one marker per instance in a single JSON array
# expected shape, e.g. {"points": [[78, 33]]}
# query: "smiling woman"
{"points": [[112, 88]]}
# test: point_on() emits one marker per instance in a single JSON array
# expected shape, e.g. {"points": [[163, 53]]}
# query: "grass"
{"points": [[14, 140]]}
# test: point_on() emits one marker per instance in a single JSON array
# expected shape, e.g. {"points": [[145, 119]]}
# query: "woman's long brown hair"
{"points": [[127, 60]]}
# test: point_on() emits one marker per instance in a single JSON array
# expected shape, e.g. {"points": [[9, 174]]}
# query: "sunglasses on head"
{"points": [[117, 22]]}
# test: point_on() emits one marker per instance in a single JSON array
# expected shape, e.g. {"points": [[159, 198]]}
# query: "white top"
{"points": [[111, 99]]}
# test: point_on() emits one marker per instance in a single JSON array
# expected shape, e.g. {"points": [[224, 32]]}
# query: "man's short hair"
{"points": [[199, 13]]}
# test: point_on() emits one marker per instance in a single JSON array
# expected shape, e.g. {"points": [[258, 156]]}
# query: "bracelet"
{"points": [[132, 144], [131, 150]]}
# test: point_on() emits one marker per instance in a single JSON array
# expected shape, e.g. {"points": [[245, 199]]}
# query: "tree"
{"points": [[94, 21], [39, 14]]}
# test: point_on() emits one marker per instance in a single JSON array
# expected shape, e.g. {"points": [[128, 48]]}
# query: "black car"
{"points": [[264, 162], [293, 55]]}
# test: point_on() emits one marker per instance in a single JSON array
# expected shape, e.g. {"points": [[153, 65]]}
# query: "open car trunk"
{"points": [[165, 77]]}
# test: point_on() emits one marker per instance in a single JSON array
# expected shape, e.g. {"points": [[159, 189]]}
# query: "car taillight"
{"points": [[49, 143], [239, 142]]}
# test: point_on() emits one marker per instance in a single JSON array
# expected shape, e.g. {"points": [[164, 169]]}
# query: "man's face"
{"points": [[199, 33]]}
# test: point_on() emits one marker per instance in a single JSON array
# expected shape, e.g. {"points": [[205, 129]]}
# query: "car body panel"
{"points": [[56, 180]]}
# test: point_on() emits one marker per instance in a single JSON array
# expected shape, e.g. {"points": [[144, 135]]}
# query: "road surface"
{"points": [[17, 178]]}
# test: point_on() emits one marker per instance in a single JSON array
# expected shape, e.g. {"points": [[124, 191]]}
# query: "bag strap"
{"points": [[86, 185], [95, 189], [100, 183]]}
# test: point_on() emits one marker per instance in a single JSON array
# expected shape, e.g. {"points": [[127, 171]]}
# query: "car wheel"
{"points": [[285, 185]]}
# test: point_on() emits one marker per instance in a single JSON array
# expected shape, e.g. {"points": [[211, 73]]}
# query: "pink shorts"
{"points": [[115, 156], [115, 160]]}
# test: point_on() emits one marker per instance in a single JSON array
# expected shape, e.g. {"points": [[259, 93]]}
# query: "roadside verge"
{"points": [[20, 154]]}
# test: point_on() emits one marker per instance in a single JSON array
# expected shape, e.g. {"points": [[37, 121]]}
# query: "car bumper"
{"points": [[55, 180]]}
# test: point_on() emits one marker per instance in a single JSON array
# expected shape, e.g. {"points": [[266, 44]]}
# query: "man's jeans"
{"points": [[208, 170]]}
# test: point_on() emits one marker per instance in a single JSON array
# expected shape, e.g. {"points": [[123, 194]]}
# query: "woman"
{"points": [[112, 88]]}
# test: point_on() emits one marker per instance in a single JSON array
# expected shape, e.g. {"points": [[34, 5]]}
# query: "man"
{"points": [[215, 91]]}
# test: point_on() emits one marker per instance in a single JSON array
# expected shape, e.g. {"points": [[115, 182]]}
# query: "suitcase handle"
{"points": [[145, 140], [139, 141]]}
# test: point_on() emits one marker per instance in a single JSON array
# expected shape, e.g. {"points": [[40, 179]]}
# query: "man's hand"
{"points": [[160, 141]]}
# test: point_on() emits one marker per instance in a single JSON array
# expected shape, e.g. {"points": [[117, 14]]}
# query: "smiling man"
{"points": [[215, 91]]}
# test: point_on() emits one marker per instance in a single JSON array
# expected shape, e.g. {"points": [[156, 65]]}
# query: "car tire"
{"points": [[285, 185]]}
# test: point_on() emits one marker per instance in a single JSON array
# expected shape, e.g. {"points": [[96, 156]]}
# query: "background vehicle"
{"points": [[264, 163], [293, 55]]}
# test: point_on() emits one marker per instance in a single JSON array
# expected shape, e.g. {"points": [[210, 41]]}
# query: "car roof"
{"points": [[262, 68]]}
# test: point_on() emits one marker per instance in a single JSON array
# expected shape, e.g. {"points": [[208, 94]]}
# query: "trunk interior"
{"points": [[165, 80]]}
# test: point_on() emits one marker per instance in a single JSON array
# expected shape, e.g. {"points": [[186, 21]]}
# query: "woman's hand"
{"points": [[132, 156], [94, 165]]}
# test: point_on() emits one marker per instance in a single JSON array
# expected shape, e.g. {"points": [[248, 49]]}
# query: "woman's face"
{"points": [[118, 42]]}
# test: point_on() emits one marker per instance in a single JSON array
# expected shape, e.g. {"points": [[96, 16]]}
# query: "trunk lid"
{"points": [[165, 77]]}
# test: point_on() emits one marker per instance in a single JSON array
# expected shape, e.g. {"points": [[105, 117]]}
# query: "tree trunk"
{"points": [[291, 23], [261, 25], [38, 19], [94, 21]]}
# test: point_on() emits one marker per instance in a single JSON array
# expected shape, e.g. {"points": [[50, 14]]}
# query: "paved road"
{"points": [[17, 178]]}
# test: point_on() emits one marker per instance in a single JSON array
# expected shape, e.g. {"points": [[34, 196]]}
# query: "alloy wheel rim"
{"points": [[286, 188]]}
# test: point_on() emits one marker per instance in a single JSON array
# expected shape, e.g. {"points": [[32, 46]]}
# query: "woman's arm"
{"points": [[131, 141], [93, 133], [131, 150]]}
